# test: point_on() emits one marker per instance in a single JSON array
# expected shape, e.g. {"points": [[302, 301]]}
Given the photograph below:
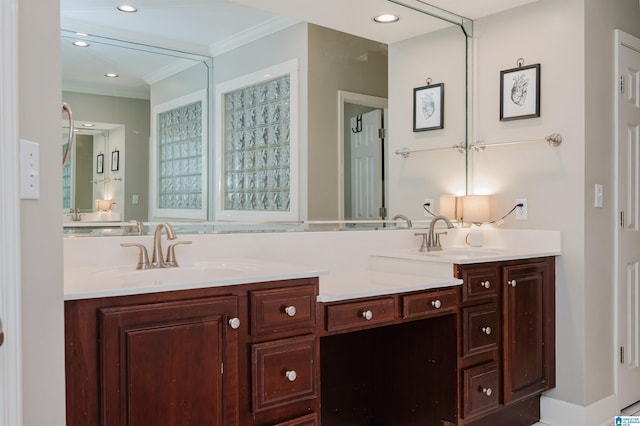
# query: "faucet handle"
{"points": [[143, 256], [437, 242], [423, 246], [171, 253]]}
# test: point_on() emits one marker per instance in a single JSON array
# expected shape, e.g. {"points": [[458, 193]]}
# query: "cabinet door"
{"points": [[528, 329], [171, 363]]}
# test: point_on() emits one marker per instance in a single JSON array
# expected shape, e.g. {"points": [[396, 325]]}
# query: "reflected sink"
{"points": [[201, 272]]}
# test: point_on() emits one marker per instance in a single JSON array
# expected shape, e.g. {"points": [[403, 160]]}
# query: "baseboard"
{"points": [[554, 412]]}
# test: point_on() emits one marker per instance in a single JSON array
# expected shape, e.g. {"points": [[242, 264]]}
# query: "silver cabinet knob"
{"points": [[487, 391], [486, 284], [290, 310], [367, 315], [234, 323], [486, 330], [291, 375], [436, 304], [512, 283]]}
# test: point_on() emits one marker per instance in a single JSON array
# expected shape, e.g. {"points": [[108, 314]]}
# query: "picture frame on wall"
{"points": [[428, 107], [100, 164], [115, 160], [520, 93]]}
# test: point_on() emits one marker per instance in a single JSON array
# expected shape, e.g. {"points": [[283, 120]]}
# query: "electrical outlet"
{"points": [[428, 205], [522, 213]]}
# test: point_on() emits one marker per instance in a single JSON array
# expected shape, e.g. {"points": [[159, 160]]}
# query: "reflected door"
{"points": [[366, 165]]}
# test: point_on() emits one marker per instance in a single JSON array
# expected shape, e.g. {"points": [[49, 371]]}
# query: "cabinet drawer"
{"points": [[481, 389], [309, 420], [480, 329], [479, 283], [283, 309], [429, 304], [360, 314], [283, 371]]}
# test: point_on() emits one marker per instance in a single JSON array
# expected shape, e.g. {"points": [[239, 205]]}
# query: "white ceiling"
{"points": [[208, 27]]}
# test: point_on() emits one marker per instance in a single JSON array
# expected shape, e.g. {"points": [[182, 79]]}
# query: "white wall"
{"points": [[441, 57], [39, 97]]}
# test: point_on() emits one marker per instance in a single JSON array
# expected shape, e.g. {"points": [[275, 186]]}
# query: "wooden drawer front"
{"points": [[479, 283], [283, 309], [310, 420], [481, 389], [359, 314], [480, 329], [429, 304], [283, 371]]}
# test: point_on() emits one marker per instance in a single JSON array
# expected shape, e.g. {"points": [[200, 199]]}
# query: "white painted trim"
{"points": [[154, 211], [10, 302], [359, 99], [620, 39], [554, 412], [252, 34], [292, 68]]}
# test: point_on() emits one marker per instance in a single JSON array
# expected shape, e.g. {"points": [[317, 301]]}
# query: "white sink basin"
{"points": [[466, 252]]}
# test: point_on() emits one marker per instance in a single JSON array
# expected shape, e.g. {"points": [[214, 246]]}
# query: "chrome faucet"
{"points": [[157, 259], [75, 214], [433, 239], [403, 217]]}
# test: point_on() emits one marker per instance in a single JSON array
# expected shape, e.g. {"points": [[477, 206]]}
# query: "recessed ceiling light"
{"points": [[386, 18], [82, 34], [88, 125], [111, 75], [80, 43], [127, 8]]}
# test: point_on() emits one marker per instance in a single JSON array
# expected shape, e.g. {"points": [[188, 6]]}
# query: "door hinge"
{"points": [[382, 133], [622, 219], [622, 84], [621, 354]]}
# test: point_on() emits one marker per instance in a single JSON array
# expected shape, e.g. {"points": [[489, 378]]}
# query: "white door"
{"points": [[628, 234], [366, 165]]}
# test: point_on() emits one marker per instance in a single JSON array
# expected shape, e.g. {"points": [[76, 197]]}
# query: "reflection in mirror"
{"points": [[346, 81]]}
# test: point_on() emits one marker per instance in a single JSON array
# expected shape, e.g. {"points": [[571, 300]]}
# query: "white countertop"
{"points": [[466, 254], [367, 283], [92, 282]]}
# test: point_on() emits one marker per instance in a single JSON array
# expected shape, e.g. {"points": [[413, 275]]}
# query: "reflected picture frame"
{"points": [[100, 164], [115, 160], [520, 93], [428, 107]]}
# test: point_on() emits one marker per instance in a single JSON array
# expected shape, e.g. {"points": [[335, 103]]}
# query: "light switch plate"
{"points": [[29, 170], [598, 194]]}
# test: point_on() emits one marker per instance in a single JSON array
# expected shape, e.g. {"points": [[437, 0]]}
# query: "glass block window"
{"points": [[180, 157], [257, 147]]}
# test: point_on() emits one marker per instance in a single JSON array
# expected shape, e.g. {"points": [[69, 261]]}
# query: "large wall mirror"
{"points": [[291, 111]]}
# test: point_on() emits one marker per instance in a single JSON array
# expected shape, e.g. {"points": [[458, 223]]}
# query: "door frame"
{"points": [[10, 302], [346, 97], [620, 39]]}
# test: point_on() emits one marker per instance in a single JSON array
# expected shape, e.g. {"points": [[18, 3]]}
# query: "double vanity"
{"points": [[356, 328]]}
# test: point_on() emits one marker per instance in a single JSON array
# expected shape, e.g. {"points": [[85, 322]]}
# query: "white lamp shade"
{"points": [[103, 205], [476, 208], [451, 207]]}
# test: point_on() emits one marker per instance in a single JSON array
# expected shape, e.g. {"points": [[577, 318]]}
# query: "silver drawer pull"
{"points": [[290, 310], [487, 391], [486, 284], [486, 330], [436, 304], [234, 323], [368, 315], [512, 283], [291, 375]]}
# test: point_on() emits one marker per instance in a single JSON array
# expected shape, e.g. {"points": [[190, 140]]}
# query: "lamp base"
{"points": [[476, 236]]}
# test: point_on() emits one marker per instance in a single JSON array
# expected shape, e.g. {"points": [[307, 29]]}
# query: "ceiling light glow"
{"points": [[127, 8], [111, 75], [386, 18], [80, 43], [88, 125]]}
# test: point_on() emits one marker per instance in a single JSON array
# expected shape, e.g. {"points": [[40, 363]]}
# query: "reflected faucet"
{"points": [[157, 259], [433, 239], [75, 214], [403, 217]]}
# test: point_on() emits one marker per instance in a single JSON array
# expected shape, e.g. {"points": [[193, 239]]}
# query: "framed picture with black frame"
{"points": [[428, 107], [520, 93], [100, 163], [115, 160]]}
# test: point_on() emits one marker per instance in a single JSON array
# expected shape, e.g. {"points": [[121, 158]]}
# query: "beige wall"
{"points": [[39, 115], [337, 61], [134, 114]]}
